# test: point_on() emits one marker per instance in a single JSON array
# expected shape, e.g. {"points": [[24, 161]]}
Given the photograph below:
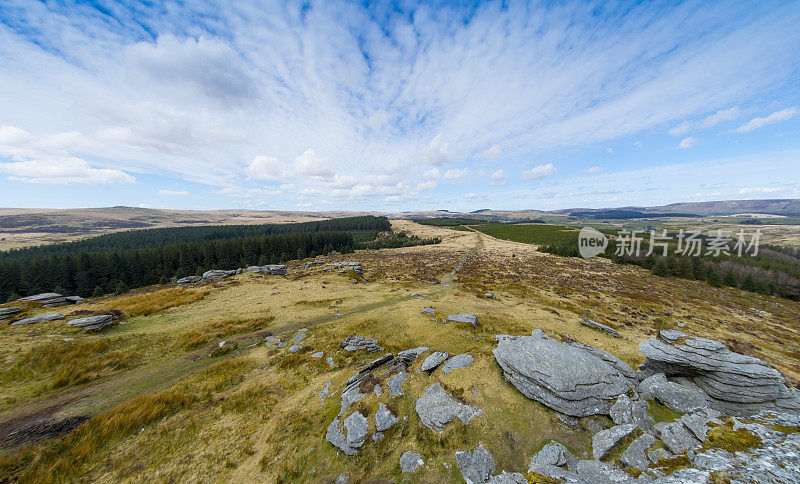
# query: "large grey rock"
{"points": [[350, 436], [217, 274], [38, 319], [433, 360], [456, 362], [464, 318], [7, 313], [636, 453], [605, 440], [600, 327], [677, 397], [356, 343], [92, 323], [736, 384], [410, 355], [384, 419], [188, 280], [436, 408], [627, 411], [47, 299], [396, 384], [552, 454], [567, 378], [294, 348], [676, 436], [476, 466], [410, 461]]}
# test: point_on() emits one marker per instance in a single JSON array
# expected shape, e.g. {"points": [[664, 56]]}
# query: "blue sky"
{"points": [[402, 106]]}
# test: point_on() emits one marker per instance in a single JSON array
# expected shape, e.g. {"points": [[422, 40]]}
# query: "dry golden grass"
{"points": [[210, 332], [152, 302]]}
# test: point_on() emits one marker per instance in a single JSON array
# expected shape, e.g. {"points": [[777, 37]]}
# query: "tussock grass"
{"points": [[152, 302], [210, 332], [724, 437], [71, 362], [63, 458]]}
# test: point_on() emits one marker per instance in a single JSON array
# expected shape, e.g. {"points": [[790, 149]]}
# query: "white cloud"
{"points": [[432, 174], [310, 164], [62, 171], [498, 175], [680, 129], [538, 172], [173, 193], [455, 173], [491, 153], [266, 168], [609, 151], [476, 197], [592, 171], [775, 117], [745, 191], [721, 116], [687, 143]]}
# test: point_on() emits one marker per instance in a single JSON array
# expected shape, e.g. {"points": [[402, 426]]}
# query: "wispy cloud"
{"points": [[538, 172], [173, 193], [775, 117], [687, 143]]}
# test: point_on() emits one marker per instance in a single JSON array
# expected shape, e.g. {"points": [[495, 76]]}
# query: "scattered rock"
{"points": [[377, 436], [384, 418], [566, 378], [627, 411], [605, 440], [299, 337], [735, 384], [410, 461], [697, 422], [428, 311], [330, 362], [318, 354], [464, 318], [656, 455], [407, 357], [355, 343], [342, 479], [396, 384], [476, 466], [348, 266], [677, 397], [436, 408], [38, 319], [92, 323], [601, 327], [432, 361], [458, 361], [294, 348], [508, 478], [352, 436], [636, 453], [489, 295]]}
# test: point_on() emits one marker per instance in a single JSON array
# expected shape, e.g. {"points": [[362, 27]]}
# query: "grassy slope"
{"points": [[257, 415]]}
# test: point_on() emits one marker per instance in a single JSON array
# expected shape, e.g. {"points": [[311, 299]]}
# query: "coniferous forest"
{"points": [[123, 260]]}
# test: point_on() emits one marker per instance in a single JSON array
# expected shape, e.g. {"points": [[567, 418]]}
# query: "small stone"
{"points": [[299, 337], [377, 436], [428, 311], [601, 327], [476, 466], [410, 462], [384, 419], [396, 384], [329, 360], [464, 318], [458, 361], [318, 354], [295, 348], [432, 361]]}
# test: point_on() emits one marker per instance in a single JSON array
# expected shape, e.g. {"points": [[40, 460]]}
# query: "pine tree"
{"points": [[660, 269], [713, 278], [121, 288], [98, 291], [749, 284], [730, 279]]}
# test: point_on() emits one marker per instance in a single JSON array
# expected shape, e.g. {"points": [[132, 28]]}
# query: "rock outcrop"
{"points": [[92, 323], [8, 313], [436, 408], [38, 319], [215, 274], [605, 440], [183, 281], [52, 299], [627, 411], [355, 343], [680, 398], [734, 384], [270, 269], [350, 436], [567, 378]]}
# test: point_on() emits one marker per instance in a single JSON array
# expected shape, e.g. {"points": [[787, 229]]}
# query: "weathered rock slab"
{"points": [[605, 440], [92, 323], [436, 408], [476, 466], [410, 462], [456, 362], [433, 360], [38, 319]]}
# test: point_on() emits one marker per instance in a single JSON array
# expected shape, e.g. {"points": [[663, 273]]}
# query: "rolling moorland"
{"points": [[245, 377]]}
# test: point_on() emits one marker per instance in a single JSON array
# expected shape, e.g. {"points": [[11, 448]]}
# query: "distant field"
{"points": [[448, 222]]}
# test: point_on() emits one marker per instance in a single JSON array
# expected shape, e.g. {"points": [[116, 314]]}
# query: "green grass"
{"points": [[448, 222], [538, 234]]}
